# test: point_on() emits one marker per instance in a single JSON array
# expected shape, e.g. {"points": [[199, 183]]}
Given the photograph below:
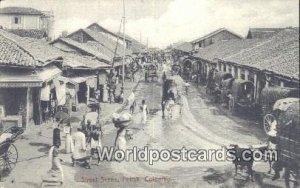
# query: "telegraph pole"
{"points": [[124, 43]]}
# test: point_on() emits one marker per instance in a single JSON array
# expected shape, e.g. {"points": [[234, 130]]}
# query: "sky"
{"points": [[163, 22]]}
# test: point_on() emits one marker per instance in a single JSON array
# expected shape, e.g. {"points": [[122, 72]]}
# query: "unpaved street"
{"points": [[201, 125]]}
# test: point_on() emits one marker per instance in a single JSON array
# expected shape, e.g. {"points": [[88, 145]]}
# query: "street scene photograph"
{"points": [[149, 93]]}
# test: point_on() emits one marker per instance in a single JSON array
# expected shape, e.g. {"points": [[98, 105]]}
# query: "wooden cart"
{"points": [[268, 98]]}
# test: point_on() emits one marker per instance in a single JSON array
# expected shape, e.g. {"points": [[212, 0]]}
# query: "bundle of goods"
{"points": [[121, 120]]}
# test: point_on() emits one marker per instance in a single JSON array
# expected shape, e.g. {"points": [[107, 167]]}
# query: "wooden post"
{"points": [[222, 67], [87, 94], [27, 106], [246, 74], [239, 76], [233, 70], [227, 68], [255, 85], [207, 70]]}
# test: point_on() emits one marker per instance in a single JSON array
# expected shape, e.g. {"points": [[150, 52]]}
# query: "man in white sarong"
{"points": [[79, 153], [131, 102]]}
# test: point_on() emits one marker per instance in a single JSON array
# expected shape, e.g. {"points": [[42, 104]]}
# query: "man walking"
{"points": [[79, 153], [131, 102]]}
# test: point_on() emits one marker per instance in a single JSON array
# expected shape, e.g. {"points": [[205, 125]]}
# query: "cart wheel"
{"points": [[9, 159], [268, 120], [231, 105]]}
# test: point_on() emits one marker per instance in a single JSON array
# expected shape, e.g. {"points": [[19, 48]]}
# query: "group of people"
{"points": [[131, 103]]}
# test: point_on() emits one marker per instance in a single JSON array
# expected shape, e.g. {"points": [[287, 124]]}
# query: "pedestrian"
{"points": [[88, 131], [164, 77], [95, 142], [132, 76], [131, 102], [56, 167], [68, 143], [56, 134], [120, 141], [146, 75], [186, 85], [144, 110], [80, 149], [105, 93]]}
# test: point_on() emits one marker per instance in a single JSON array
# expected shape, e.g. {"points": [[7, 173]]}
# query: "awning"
{"points": [[48, 73], [15, 80], [76, 80]]}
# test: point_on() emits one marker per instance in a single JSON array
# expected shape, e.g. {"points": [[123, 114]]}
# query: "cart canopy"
{"points": [[241, 88], [222, 76], [271, 94]]}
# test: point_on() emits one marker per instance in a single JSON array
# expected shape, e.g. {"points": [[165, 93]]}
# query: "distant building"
{"points": [[111, 35], [216, 36], [27, 22], [262, 33]]}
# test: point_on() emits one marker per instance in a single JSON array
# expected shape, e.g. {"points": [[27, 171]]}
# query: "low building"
{"points": [[214, 37], [262, 33], [265, 62], [180, 49], [46, 74], [27, 22], [135, 46], [96, 44], [21, 79], [109, 34]]}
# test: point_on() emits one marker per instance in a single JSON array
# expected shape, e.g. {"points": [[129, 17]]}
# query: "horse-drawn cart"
{"points": [[268, 98], [214, 82], [288, 137], [176, 69], [242, 95], [151, 70], [171, 95]]}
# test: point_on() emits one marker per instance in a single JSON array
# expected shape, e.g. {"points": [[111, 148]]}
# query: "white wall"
{"points": [[27, 22]]}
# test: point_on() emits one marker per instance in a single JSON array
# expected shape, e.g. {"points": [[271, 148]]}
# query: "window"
{"points": [[17, 20]]}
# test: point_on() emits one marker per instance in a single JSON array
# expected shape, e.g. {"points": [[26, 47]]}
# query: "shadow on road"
{"points": [[42, 146]]}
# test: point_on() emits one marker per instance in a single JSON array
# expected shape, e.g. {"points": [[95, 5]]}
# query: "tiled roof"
{"points": [[32, 33], [214, 33], [77, 61], [105, 30], [185, 46], [262, 32], [224, 49], [279, 54], [13, 55], [89, 49], [39, 53], [107, 42], [39, 49], [20, 10]]}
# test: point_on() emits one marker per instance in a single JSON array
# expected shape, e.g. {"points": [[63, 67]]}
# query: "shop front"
{"points": [[18, 93]]}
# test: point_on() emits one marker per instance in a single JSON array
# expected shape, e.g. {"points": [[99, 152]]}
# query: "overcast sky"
{"points": [[168, 21]]}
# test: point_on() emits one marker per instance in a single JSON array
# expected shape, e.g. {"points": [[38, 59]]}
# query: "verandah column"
{"points": [[27, 106], [233, 70], [239, 75], [246, 74], [255, 85]]}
